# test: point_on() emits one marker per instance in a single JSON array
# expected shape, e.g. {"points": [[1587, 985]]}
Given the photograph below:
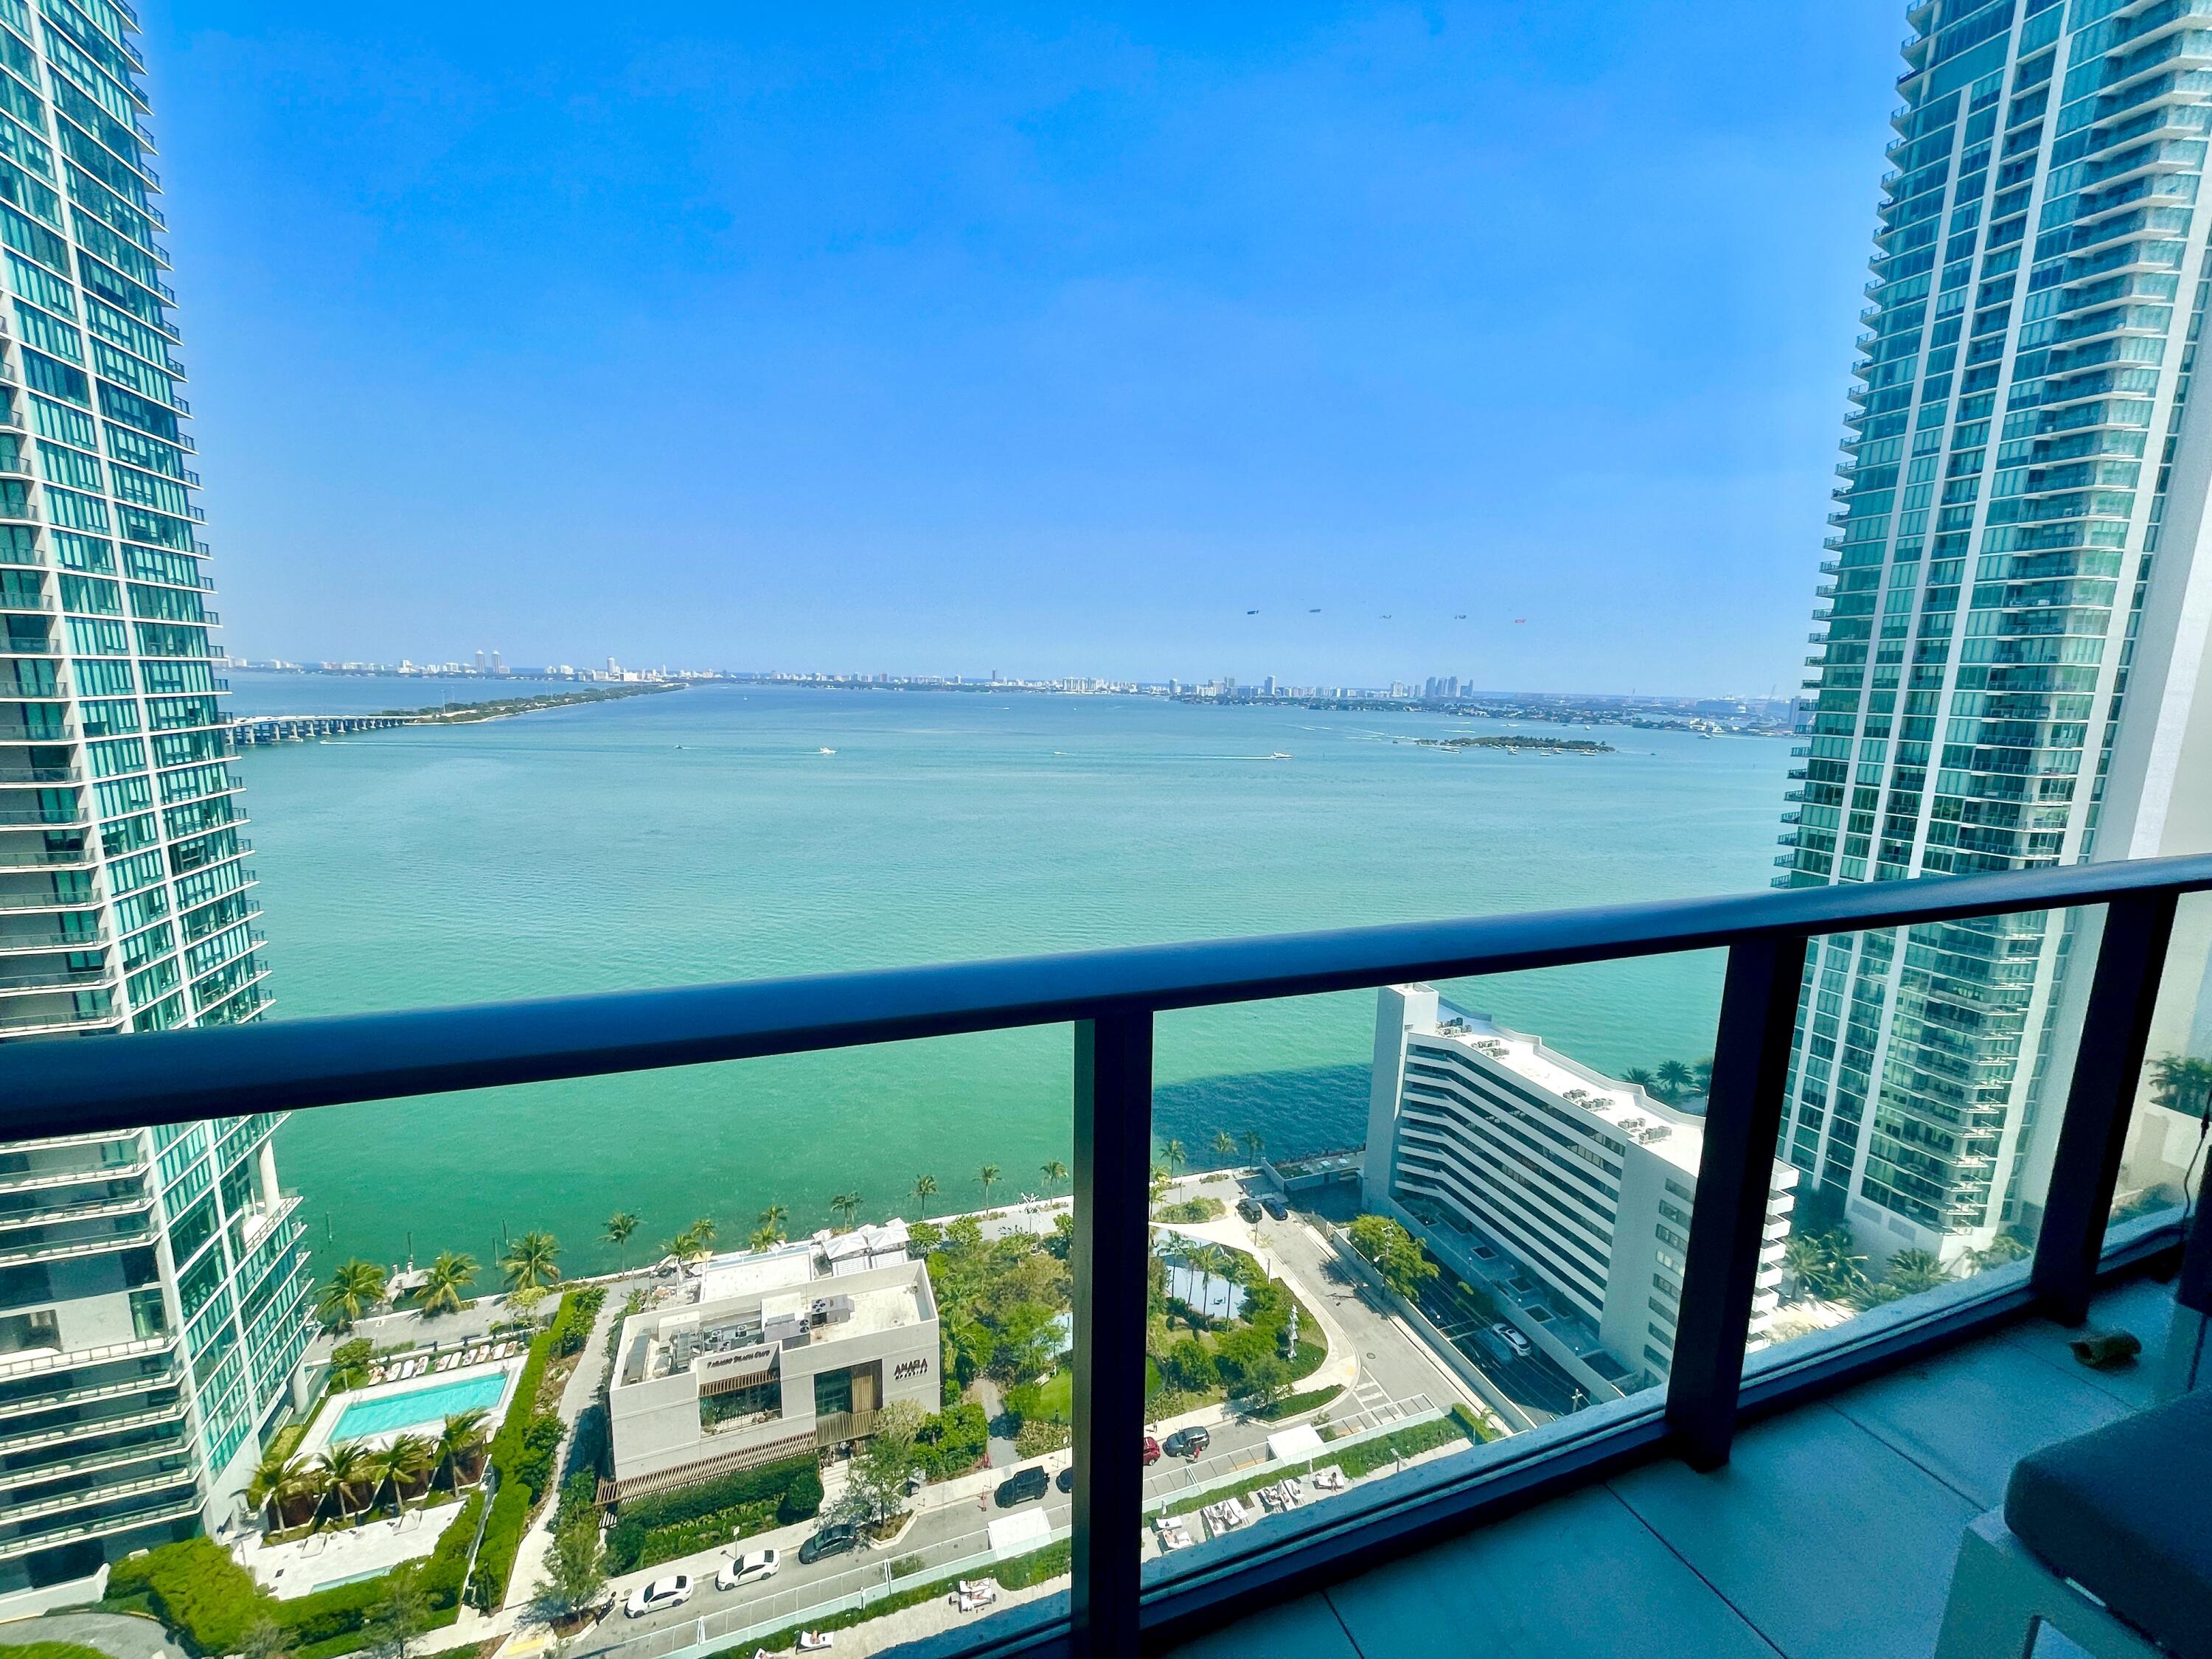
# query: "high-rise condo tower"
{"points": [[2013, 641], [151, 1282]]}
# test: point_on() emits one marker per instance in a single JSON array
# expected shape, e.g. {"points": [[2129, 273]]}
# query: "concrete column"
{"points": [[271, 1193]]}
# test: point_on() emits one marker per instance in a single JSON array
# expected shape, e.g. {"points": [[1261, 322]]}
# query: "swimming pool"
{"points": [[419, 1408]]}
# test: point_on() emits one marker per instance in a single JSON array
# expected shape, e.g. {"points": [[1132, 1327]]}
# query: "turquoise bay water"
{"points": [[701, 836]]}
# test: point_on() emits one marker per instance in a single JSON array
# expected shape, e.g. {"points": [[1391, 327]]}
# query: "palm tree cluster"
{"points": [[695, 1243], [1673, 1081], [2183, 1084], [350, 1477]]}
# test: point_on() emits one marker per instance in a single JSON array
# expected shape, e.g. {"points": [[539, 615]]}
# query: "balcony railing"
{"points": [[1112, 999]]}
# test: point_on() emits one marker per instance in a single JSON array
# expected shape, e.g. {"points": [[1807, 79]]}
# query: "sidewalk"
{"points": [[582, 1385]]}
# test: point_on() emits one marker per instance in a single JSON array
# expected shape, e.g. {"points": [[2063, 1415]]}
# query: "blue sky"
{"points": [[840, 338]]}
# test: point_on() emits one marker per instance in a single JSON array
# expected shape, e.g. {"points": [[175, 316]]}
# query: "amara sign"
{"points": [[907, 1368]]}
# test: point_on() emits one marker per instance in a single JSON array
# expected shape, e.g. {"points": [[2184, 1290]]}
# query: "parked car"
{"points": [[747, 1569], [1021, 1485], [1512, 1339], [1275, 1207], [833, 1540], [1066, 1478], [1151, 1451], [1189, 1443], [660, 1594], [1248, 1208]]}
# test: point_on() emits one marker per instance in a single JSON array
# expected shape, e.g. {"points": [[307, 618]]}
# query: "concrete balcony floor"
{"points": [[1829, 1535]]}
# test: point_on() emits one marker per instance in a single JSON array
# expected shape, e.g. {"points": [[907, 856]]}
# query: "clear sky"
{"points": [[830, 336]]}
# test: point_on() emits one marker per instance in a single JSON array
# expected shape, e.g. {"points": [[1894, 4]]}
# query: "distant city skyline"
{"points": [[1147, 343]]}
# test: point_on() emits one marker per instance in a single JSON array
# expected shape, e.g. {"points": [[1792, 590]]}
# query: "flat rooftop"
{"points": [[1631, 1113], [827, 1308]]}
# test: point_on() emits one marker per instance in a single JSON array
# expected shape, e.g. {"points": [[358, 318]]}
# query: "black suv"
{"points": [[1248, 1208], [1276, 1207], [833, 1540], [1021, 1485], [1189, 1443]]}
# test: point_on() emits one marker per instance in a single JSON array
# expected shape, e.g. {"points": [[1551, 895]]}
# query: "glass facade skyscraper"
{"points": [[151, 1282], [2011, 632]]}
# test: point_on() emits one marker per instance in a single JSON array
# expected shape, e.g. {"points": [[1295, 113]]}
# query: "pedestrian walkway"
{"points": [[582, 1386]]}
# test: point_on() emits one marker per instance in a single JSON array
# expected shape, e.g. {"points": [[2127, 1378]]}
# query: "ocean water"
{"points": [[704, 835]]}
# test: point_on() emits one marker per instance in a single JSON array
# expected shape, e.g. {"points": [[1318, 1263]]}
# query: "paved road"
{"points": [[123, 1636]]}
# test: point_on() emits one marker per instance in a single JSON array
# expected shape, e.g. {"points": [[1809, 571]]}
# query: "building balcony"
{"points": [[34, 1361], [39, 777], [1650, 1523], [57, 1022], [48, 901], [1778, 1552], [44, 858]]}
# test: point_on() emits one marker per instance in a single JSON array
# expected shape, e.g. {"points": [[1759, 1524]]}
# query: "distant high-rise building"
{"points": [[2014, 624], [152, 1285]]}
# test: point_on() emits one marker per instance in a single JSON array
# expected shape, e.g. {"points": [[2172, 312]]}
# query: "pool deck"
{"points": [[319, 1434], [327, 1558]]}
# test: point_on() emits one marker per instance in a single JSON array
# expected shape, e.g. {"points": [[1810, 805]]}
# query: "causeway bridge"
{"points": [[249, 730]]}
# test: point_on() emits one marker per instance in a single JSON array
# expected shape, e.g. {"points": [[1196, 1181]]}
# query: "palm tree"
{"points": [[409, 1458], [355, 1287], [278, 1479], [1224, 1144], [463, 1438], [763, 1237], [620, 1225], [341, 1468], [1206, 1261], [988, 1177], [1675, 1078], [2183, 1084], [1912, 1272], [532, 1262], [1641, 1078], [846, 1205], [445, 1281], [1173, 1155], [1053, 1171], [924, 1189], [1254, 1143], [1702, 1074], [772, 1221]]}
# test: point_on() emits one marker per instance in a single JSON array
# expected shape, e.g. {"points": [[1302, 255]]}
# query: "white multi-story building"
{"points": [[1527, 1168], [151, 1284], [767, 1356]]}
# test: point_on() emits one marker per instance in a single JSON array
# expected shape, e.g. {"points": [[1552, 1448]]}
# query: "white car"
{"points": [[660, 1596], [747, 1569], [1511, 1338]]}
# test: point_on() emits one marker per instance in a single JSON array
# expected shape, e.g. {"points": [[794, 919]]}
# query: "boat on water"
{"points": [[825, 751], [1279, 755]]}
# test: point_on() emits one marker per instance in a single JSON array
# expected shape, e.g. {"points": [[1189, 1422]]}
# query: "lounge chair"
{"points": [[811, 1641], [2106, 1537]]}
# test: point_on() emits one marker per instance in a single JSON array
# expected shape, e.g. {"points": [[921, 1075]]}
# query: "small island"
{"points": [[458, 713], [1523, 743]]}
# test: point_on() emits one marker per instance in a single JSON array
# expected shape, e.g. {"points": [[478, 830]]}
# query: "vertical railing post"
{"points": [[2108, 1064], [1109, 1255], [1743, 1120]]}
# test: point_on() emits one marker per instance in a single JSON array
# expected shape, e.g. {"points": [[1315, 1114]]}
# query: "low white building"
{"points": [[767, 1355], [1544, 1173]]}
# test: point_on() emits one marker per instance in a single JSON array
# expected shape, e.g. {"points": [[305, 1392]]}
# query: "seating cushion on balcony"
{"points": [[2126, 1512]]}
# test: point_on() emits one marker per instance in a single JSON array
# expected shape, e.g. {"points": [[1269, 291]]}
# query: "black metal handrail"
{"points": [[67, 1086]]}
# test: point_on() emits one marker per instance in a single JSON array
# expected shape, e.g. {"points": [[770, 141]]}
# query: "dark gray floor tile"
{"points": [[1304, 1629], [1580, 1578], [2143, 1306], [1967, 1417], [1831, 1542]]}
